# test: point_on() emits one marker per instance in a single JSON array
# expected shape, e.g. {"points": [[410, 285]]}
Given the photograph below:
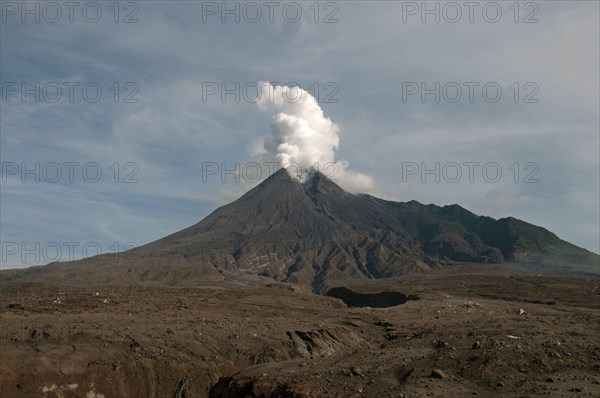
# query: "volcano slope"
{"points": [[227, 307], [466, 331], [314, 233]]}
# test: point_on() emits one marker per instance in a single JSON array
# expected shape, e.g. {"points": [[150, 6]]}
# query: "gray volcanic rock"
{"points": [[314, 233]]}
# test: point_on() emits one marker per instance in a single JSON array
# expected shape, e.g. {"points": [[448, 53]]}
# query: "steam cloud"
{"points": [[303, 138]]}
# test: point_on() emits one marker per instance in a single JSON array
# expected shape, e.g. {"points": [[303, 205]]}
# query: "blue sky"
{"points": [[366, 62]]}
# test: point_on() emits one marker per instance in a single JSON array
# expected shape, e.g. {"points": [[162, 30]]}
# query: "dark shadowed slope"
{"points": [[315, 233]]}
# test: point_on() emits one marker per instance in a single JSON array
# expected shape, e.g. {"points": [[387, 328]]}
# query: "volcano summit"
{"points": [[314, 233]]}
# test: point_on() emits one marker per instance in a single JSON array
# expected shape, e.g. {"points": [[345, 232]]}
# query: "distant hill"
{"points": [[315, 233]]}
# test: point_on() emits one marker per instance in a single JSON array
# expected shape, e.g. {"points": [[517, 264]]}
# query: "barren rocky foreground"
{"points": [[462, 331]]}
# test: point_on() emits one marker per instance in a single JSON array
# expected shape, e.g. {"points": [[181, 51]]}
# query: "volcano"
{"points": [[315, 234]]}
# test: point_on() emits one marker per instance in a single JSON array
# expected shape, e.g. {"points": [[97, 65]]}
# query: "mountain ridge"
{"points": [[314, 233]]}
